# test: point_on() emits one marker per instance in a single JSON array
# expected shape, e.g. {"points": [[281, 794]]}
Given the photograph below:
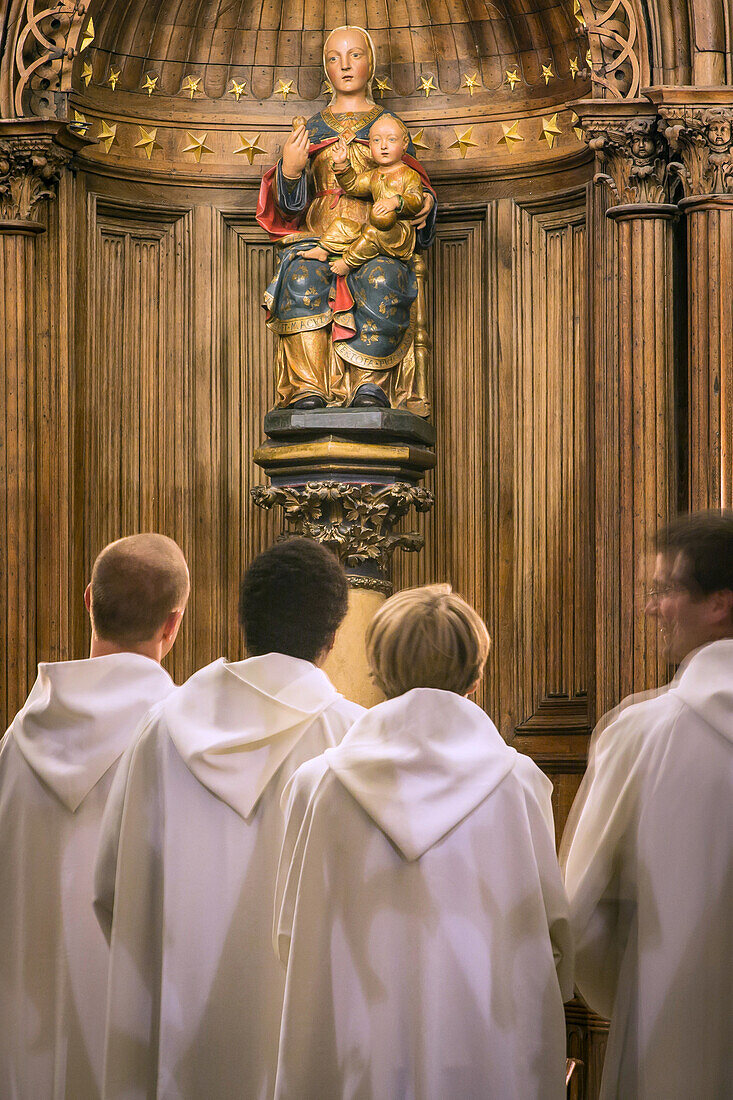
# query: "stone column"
{"points": [[636, 450], [31, 162], [699, 128]]}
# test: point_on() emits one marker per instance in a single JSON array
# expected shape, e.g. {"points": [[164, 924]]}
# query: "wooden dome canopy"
{"points": [[261, 44]]}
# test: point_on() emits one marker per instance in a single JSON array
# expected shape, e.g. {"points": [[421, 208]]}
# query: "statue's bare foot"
{"points": [[339, 267], [315, 253]]}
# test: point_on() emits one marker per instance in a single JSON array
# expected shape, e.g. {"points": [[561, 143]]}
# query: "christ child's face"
{"points": [[387, 141], [347, 61]]}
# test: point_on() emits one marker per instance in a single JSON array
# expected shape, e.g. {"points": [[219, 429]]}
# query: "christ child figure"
{"points": [[397, 194]]}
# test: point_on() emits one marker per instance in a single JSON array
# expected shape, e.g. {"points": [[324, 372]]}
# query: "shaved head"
{"points": [[137, 582]]}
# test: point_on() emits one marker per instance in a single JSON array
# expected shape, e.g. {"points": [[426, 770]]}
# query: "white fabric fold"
{"points": [[235, 723], [79, 715], [705, 685], [420, 763]]}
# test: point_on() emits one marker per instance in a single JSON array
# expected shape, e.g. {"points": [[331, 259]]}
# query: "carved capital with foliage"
{"points": [[701, 140], [356, 521], [632, 156], [30, 166]]}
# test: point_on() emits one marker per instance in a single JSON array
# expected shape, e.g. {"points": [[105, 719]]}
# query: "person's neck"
{"points": [[344, 103], [100, 647]]}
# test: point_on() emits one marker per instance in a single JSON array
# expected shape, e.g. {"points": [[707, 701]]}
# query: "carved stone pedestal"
{"points": [[346, 478]]}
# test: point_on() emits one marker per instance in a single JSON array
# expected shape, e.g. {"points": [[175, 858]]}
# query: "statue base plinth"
{"points": [[345, 477]]}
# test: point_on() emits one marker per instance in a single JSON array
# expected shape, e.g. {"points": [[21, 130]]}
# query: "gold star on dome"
{"points": [[237, 89], [197, 145], [577, 12], [86, 73], [107, 135], [191, 85], [114, 78], [463, 141], [574, 67], [510, 135], [512, 78], [383, 85], [147, 140], [427, 85], [470, 83], [550, 129], [417, 139], [79, 123], [150, 83], [575, 123], [88, 36], [284, 88], [547, 72], [588, 59], [250, 148]]}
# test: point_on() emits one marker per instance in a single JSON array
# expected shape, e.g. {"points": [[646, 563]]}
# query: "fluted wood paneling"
{"points": [[710, 253]]}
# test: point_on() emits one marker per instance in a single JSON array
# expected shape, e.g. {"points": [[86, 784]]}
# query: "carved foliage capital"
{"points": [[355, 521], [632, 156], [30, 166], [701, 139]]}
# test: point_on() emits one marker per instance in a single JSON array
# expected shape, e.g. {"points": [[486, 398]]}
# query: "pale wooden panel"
{"points": [[553, 597]]}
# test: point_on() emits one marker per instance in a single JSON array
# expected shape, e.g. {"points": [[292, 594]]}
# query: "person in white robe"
{"points": [[420, 911], [648, 850], [57, 762], [186, 869]]}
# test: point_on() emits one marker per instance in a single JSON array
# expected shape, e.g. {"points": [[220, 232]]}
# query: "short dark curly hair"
{"points": [[705, 539], [292, 599]]}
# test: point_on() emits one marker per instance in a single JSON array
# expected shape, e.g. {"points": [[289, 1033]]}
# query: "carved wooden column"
{"points": [[31, 162], [636, 459], [699, 128]]}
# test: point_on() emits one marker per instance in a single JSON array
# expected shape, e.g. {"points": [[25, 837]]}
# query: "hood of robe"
{"points": [[80, 716], [705, 684], [234, 724], [420, 763]]}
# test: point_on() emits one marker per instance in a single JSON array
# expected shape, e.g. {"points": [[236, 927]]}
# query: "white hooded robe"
{"points": [[186, 878], [421, 915], [56, 766], [649, 872]]}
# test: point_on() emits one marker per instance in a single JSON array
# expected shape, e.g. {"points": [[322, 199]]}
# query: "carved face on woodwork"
{"points": [[348, 58], [719, 134], [643, 146]]}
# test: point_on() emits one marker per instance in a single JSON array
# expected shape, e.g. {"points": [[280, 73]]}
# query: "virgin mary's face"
{"points": [[347, 61]]}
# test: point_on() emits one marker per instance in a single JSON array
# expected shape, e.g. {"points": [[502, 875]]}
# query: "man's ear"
{"points": [[88, 597], [721, 607], [171, 626]]}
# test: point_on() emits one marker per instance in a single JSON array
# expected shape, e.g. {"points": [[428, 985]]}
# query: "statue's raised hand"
{"points": [[295, 152], [340, 153], [421, 217]]}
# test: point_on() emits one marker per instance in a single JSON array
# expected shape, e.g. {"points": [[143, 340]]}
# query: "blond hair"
{"points": [[427, 637]]}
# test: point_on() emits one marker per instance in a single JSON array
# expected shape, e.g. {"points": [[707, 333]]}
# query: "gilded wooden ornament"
{"points": [[284, 88], [237, 89], [147, 140], [355, 521], [427, 85], [577, 12], [418, 139], [510, 135], [574, 67], [197, 146], [550, 129], [383, 85], [547, 73], [191, 85], [78, 123], [327, 88], [250, 148], [86, 73], [113, 78], [470, 83], [107, 135], [150, 83], [577, 128], [512, 78], [463, 141], [88, 36]]}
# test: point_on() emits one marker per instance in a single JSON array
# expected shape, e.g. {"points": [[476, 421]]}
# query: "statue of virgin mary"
{"points": [[340, 340]]}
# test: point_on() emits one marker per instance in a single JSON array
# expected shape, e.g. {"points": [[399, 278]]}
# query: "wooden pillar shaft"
{"points": [[710, 277]]}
